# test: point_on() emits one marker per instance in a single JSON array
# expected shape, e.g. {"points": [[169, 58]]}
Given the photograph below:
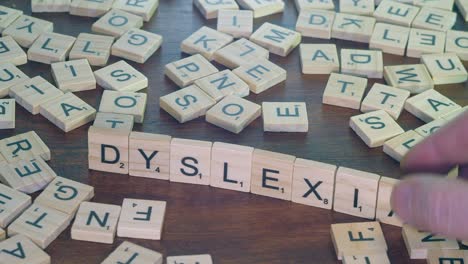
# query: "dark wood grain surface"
{"points": [[233, 227]]}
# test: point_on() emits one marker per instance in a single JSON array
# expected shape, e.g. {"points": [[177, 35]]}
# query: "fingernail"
{"points": [[401, 200]]}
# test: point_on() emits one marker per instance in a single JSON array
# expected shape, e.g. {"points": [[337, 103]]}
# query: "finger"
{"points": [[433, 204]]}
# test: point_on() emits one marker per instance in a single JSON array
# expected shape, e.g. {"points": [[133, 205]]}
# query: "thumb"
{"points": [[433, 204]]}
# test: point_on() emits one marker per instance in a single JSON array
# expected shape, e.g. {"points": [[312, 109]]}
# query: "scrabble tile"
{"points": [[353, 27], [3, 235], [313, 183], [192, 259], [114, 121], [186, 104], [380, 258], [145, 9], [12, 204], [24, 146], [7, 16], [414, 78], [398, 147], [26, 29], [385, 213], [40, 224], [108, 150], [368, 63], [445, 68], [30, 253], [261, 75], [95, 48], [365, 8], [10, 75], [420, 243], [205, 41], [240, 52], [423, 41], [457, 42], [222, 84], [231, 166], [116, 22], [454, 114], [278, 40], [7, 113], [272, 174], [431, 127], [375, 128], [262, 8], [50, 47], [315, 23], [344, 90], [233, 113], [397, 13], [237, 23], [435, 19], [68, 112], [430, 105], [437, 256], [149, 155], [285, 117], [462, 6], [186, 71], [130, 252], [128, 103], [389, 38], [439, 4], [142, 219], [383, 97], [190, 161], [306, 5], [96, 222], [39, 6], [211, 9], [73, 76], [90, 8], [11, 52], [358, 238], [65, 195], [319, 58], [137, 45]]}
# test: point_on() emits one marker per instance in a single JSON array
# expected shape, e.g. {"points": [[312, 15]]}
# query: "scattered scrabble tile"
{"points": [[145, 9], [190, 161], [233, 113], [240, 52], [231, 166], [90, 8], [456, 42], [186, 71], [205, 41], [10, 75], [435, 19], [130, 252], [438, 256], [142, 219], [278, 40], [262, 8], [65, 195], [368, 63], [20, 250], [39, 6], [237, 23], [414, 78], [383, 97], [397, 13], [11, 52], [186, 104], [149, 155], [137, 45], [431, 127], [424, 41], [397, 147], [24, 146], [319, 58], [95, 48], [389, 38], [68, 112], [430, 105], [128, 103], [315, 23], [192, 259], [420, 243], [7, 16], [445, 68], [454, 114], [385, 213], [211, 9], [41, 224], [375, 128], [12, 204], [353, 27], [358, 238], [222, 84], [121, 76], [116, 22], [462, 6], [285, 117], [344, 90], [26, 29], [108, 150], [7, 113], [365, 8], [440, 4], [73, 76], [261, 75], [50, 47], [306, 5], [96, 222], [380, 258], [114, 121], [313, 183]]}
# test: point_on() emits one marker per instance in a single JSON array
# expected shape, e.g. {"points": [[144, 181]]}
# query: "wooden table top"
{"points": [[233, 227]]}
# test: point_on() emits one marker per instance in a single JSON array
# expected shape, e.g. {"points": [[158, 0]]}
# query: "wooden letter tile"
{"points": [[445, 68], [192, 259], [365, 8], [285, 117], [122, 77], [315, 23], [389, 38], [397, 13], [12, 204], [137, 45], [319, 58], [50, 47], [31, 254], [308, 5], [11, 52], [424, 41], [367, 63], [10, 75], [278, 40], [457, 42], [262, 8], [73, 76], [454, 114], [440, 4], [190, 161], [149, 155], [380, 258], [7, 113], [385, 213], [116, 22], [145, 9], [353, 27], [114, 121], [186, 71], [383, 97], [398, 147], [26, 29], [211, 9], [128, 103], [8, 16], [237, 23], [39, 6], [431, 127], [344, 90], [222, 84], [90, 8], [261, 75], [413, 78], [430, 105], [240, 52], [435, 19], [95, 48], [205, 41], [128, 252], [419, 243], [437, 256], [24, 146]]}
